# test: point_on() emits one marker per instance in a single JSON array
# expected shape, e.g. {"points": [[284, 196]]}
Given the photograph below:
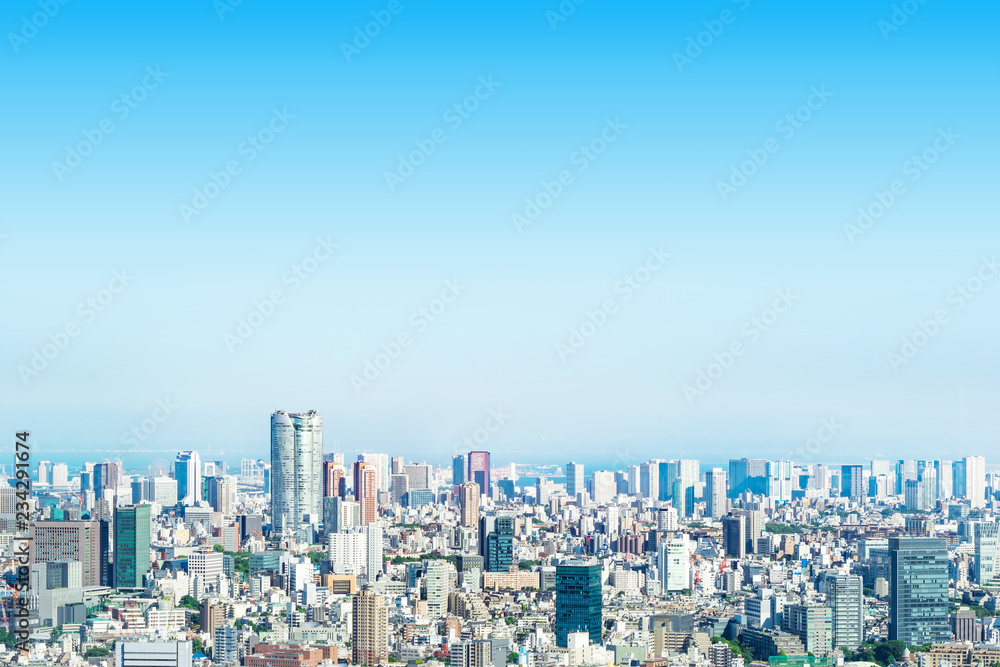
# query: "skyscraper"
{"points": [[846, 602], [496, 535], [366, 490], [458, 470], [715, 493], [107, 477], [369, 629], [734, 536], [975, 481], [985, 541], [132, 540], [334, 480], [675, 565], [187, 472], [72, 540], [578, 601], [851, 482], [602, 486], [574, 479], [296, 467], [747, 476], [469, 501], [479, 470], [918, 593]]}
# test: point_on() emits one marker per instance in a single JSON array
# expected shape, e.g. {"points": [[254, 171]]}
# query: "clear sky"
{"points": [[711, 152]]}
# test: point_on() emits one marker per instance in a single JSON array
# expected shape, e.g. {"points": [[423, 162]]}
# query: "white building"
{"points": [[674, 564], [296, 468]]}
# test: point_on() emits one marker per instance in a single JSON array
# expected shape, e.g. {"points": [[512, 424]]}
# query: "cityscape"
{"points": [[309, 559], [544, 333]]}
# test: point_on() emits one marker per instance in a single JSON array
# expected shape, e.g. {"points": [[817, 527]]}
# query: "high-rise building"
{"points": [[458, 469], [72, 540], [975, 480], [574, 479], [400, 488], [715, 493], [187, 472], [296, 468], [438, 581], [221, 494], [479, 470], [918, 592], [945, 480], [845, 593], [60, 474], [469, 496], [906, 469], [602, 486], [162, 654], [380, 462], [396, 464], [649, 480], [852, 483], [496, 536], [132, 541], [984, 534], [366, 490], [578, 601], [107, 477], [734, 536], [747, 476], [334, 480], [813, 624], [418, 476], [779, 481], [226, 645], [674, 563], [162, 491], [369, 629]]}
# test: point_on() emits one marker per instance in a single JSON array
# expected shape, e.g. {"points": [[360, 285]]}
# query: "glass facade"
{"points": [[918, 596], [578, 601], [132, 540]]}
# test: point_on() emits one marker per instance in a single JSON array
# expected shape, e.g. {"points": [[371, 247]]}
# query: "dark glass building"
{"points": [[578, 601], [498, 545], [132, 540], [918, 590]]}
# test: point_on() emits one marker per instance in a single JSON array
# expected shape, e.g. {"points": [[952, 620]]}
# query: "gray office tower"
{"points": [[918, 595], [296, 468]]}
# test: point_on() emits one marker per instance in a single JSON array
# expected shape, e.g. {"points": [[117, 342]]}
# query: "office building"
{"points": [[574, 479], [334, 480], [162, 491], [984, 534], [852, 482], [458, 469], [187, 473], [418, 475], [578, 601], [479, 470], [602, 486], [369, 629], [160, 654], [747, 476], [132, 540], [296, 468], [674, 565], [496, 536], [734, 536], [812, 624], [82, 541], [438, 581], [918, 591], [975, 481], [469, 496], [107, 478], [366, 490], [715, 493], [845, 593]]}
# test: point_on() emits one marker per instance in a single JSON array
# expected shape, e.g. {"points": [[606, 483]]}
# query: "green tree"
{"points": [[219, 549], [512, 658], [189, 602], [96, 652]]}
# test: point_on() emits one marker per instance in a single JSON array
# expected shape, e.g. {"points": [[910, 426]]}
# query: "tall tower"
{"points": [[366, 490], [918, 594], [975, 481], [479, 470], [370, 629], [132, 540], [578, 601], [574, 479], [187, 472], [845, 594], [715, 493], [469, 500], [296, 467]]}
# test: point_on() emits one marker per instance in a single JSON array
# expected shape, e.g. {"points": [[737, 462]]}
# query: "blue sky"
{"points": [[205, 89]]}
